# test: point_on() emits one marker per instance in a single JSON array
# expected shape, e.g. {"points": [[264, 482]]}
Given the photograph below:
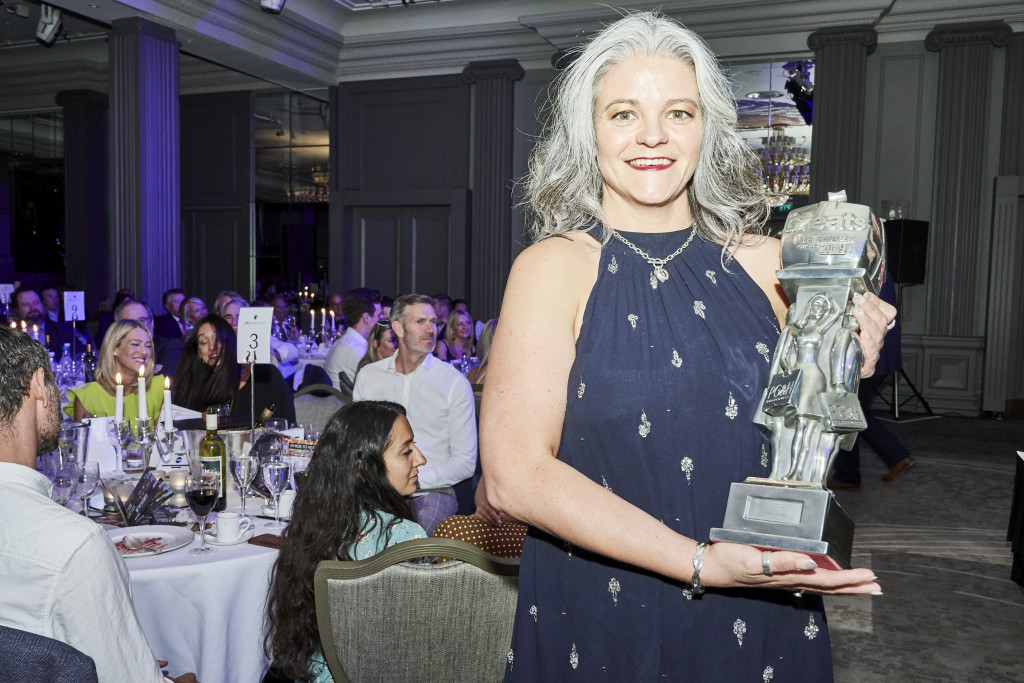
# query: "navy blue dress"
{"points": [[659, 410]]}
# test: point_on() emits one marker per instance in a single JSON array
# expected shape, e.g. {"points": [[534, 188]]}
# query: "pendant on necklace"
{"points": [[660, 273], [654, 281]]}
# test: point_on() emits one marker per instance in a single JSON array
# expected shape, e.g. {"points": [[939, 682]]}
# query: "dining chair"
{"points": [[316, 403], [386, 619], [31, 658]]}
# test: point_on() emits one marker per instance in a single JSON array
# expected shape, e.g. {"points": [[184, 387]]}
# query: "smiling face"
{"points": [[386, 343], [648, 125], [402, 459], [208, 345], [133, 352], [463, 326]]}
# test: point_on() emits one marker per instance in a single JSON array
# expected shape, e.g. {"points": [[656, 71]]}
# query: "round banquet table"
{"points": [[206, 615]]}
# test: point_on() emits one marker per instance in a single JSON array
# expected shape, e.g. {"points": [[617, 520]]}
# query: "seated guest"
{"points": [[168, 350], [352, 505], [28, 309], [283, 326], [458, 337], [209, 376], [77, 334], [383, 344], [127, 346], [62, 576], [483, 352], [362, 311], [192, 309], [106, 316], [170, 324]]}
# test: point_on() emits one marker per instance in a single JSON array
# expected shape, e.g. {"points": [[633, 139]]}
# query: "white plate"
{"points": [[156, 539], [212, 540], [268, 512]]}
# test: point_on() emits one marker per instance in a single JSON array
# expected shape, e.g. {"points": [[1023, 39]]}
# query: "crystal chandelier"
{"points": [[785, 166]]}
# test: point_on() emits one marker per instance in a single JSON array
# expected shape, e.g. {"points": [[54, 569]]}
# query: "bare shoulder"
{"points": [[560, 271], [760, 257]]}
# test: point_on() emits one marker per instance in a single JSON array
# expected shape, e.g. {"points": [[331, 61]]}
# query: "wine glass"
{"points": [[202, 492], [64, 482], [243, 471], [275, 424], [88, 477], [276, 476], [118, 432]]}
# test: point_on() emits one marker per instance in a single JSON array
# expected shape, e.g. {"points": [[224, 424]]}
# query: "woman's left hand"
{"points": [[874, 317]]}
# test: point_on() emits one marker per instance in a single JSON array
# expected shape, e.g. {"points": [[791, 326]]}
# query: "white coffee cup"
{"points": [[231, 526], [285, 502]]}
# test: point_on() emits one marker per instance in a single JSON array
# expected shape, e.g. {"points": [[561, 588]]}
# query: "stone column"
{"points": [[1011, 159], [145, 192], [840, 73], [491, 233], [960, 180], [85, 192]]}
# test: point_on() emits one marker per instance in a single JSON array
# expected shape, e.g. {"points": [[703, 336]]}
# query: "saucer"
{"points": [[267, 512], [212, 540]]}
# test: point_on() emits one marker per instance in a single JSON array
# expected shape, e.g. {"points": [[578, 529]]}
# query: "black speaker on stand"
{"points": [[906, 254]]}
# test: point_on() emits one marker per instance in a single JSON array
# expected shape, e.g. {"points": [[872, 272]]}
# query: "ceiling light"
{"points": [[272, 6], [49, 25]]}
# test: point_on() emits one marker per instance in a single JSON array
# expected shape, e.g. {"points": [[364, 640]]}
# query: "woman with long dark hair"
{"points": [[352, 505], [209, 376]]}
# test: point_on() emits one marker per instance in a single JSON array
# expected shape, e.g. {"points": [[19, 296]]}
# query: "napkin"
{"points": [[267, 541]]}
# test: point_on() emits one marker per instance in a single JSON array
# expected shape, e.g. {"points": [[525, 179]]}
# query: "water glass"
{"points": [[276, 424], [243, 471], [65, 480], [276, 476], [88, 477]]}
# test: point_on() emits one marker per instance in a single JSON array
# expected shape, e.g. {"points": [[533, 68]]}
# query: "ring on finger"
{"points": [[766, 562], [892, 324]]}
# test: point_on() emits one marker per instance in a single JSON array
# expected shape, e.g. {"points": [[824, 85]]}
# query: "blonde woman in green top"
{"points": [[127, 346]]}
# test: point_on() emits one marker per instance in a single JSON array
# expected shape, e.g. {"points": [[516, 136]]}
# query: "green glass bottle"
{"points": [[213, 458]]}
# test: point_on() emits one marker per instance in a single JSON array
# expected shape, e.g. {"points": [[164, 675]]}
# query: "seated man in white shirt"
{"points": [[439, 402], [62, 576], [361, 308]]}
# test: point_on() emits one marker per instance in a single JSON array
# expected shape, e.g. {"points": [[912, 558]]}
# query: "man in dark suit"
{"points": [[68, 332], [169, 325], [29, 310]]}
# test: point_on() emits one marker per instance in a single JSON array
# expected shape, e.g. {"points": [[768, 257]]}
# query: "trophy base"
{"points": [[774, 515]]}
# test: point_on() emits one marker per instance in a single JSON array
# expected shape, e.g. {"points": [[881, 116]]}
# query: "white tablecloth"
{"points": [[207, 615], [300, 368]]}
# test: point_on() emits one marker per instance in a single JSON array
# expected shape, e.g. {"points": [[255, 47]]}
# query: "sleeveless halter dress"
{"points": [[659, 410]]}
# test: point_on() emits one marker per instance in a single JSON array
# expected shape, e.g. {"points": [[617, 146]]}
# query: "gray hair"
{"points": [[406, 300], [563, 188]]}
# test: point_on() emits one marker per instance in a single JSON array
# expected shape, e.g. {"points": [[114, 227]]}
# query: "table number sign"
{"points": [[74, 306], [6, 290], [254, 334]]}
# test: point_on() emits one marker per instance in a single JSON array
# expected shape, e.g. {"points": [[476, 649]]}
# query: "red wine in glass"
{"points": [[201, 493], [201, 501]]}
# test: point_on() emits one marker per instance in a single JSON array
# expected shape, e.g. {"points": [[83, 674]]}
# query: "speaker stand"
{"points": [[896, 403]]}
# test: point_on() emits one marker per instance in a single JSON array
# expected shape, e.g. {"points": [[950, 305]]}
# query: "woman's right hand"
{"points": [[732, 565]]}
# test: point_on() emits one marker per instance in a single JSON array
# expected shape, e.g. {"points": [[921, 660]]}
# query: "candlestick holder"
{"points": [[139, 448], [170, 449], [119, 433]]}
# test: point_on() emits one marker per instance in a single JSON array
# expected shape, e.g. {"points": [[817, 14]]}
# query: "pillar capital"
{"points": [[495, 69], [865, 35], [994, 33]]}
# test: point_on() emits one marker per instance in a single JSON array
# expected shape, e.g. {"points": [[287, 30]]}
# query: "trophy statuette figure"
{"points": [[830, 251]]}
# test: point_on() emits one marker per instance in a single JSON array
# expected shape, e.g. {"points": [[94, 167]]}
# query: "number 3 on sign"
{"points": [[254, 325]]}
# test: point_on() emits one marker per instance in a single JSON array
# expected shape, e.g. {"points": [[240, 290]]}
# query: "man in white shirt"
{"points": [[361, 308], [62, 576], [439, 402]]}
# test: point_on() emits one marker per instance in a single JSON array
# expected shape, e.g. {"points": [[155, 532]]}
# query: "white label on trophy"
{"points": [[74, 306], [773, 510], [254, 334], [5, 293]]}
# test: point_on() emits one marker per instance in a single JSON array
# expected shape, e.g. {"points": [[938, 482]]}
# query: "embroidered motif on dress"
{"points": [[769, 674], [614, 588], [579, 390], [676, 360], [613, 266], [732, 408], [604, 483], [533, 613], [645, 425], [699, 308], [739, 627], [686, 464], [711, 276], [510, 659], [574, 659], [632, 319], [762, 349], [811, 629]]}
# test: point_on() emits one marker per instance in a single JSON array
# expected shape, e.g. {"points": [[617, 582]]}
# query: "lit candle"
{"points": [[333, 327], [35, 332], [23, 329], [323, 323], [312, 321], [168, 413], [142, 393], [119, 400], [14, 325]]}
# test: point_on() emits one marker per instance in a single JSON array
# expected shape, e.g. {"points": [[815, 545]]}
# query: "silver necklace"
{"points": [[658, 263]]}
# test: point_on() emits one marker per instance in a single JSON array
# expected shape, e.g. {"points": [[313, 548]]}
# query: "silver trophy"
{"points": [[830, 251]]}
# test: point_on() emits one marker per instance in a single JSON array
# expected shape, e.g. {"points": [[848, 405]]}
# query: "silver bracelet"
{"points": [[698, 563]]}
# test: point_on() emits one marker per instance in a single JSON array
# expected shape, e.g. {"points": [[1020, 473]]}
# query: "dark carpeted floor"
{"points": [[936, 539]]}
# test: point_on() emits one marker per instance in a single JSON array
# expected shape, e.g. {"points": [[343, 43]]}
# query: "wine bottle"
{"points": [[89, 363], [267, 413], [213, 458]]}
